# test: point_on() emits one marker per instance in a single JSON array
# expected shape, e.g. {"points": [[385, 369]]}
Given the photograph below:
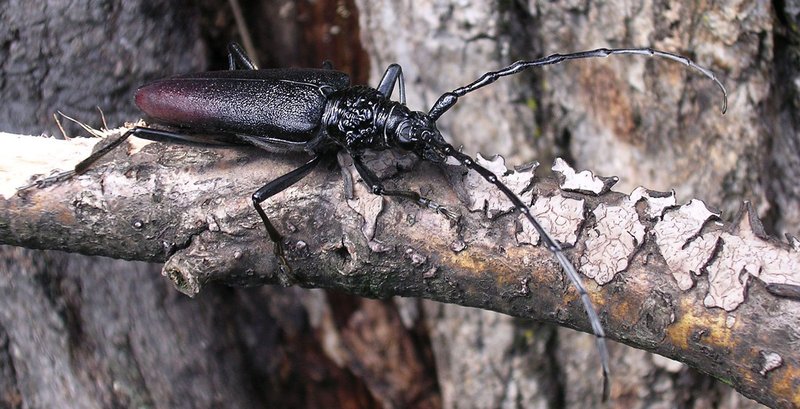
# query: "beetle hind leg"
{"points": [[84, 165], [238, 59]]}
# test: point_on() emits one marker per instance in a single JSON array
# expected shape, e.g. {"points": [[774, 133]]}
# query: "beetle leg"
{"points": [[547, 241], [784, 290], [238, 59], [327, 65], [377, 188], [392, 75], [84, 165], [271, 189]]}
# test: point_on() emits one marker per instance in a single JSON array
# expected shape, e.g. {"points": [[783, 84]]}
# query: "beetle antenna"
{"points": [[550, 243], [447, 100]]}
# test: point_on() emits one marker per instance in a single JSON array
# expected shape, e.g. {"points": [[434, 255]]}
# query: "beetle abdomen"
{"points": [[257, 103]]}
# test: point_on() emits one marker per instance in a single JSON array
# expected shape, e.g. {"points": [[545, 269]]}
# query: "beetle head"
{"points": [[418, 134]]}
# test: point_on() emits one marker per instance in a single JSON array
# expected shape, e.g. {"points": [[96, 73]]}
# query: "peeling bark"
{"points": [[190, 207], [649, 123]]}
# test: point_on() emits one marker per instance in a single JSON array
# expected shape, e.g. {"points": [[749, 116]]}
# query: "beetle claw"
{"points": [[286, 275], [430, 204], [450, 214]]}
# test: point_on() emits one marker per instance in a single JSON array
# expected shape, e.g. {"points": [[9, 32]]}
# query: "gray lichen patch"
{"points": [[656, 202], [611, 243], [417, 258], [744, 254], [582, 182], [559, 216], [484, 196], [368, 205], [770, 361], [677, 237]]}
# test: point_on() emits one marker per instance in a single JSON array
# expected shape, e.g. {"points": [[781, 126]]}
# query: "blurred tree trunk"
{"points": [[100, 333]]}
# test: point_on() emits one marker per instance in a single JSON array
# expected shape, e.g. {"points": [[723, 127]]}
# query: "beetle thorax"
{"points": [[360, 118]]}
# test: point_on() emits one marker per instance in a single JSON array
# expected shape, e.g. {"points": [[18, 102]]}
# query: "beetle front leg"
{"points": [[271, 189], [377, 188]]}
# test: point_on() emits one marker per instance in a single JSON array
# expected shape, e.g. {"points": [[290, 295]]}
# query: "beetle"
{"points": [[319, 112]]}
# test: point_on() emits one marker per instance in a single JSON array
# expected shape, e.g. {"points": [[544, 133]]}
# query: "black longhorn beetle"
{"points": [[319, 112]]}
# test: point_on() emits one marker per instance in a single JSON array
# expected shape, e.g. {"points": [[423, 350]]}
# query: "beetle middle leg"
{"points": [[376, 186], [273, 188]]}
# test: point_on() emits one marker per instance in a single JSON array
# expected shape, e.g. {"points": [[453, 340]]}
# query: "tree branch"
{"points": [[666, 278]]}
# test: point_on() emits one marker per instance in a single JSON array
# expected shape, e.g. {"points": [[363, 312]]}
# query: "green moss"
{"points": [[532, 104]]}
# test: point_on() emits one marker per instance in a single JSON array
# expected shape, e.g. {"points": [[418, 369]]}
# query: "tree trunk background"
{"points": [[88, 332]]}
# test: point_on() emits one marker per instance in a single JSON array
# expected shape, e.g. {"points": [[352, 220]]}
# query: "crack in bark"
{"points": [[10, 395]]}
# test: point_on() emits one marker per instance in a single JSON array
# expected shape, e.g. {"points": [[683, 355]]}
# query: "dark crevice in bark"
{"points": [[64, 295], [10, 396], [134, 370], [782, 108], [246, 316], [522, 32], [557, 389], [694, 389], [421, 337]]}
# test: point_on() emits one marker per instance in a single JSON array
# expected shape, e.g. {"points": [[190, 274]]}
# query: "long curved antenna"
{"points": [[447, 100], [552, 245]]}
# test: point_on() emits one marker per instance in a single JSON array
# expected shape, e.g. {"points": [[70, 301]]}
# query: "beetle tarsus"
{"points": [[48, 181], [285, 272], [376, 187], [430, 204]]}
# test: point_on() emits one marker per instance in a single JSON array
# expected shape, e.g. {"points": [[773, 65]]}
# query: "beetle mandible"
{"points": [[319, 112]]}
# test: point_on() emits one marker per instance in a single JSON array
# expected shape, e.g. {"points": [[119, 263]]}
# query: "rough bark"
{"points": [[651, 123], [443, 45], [190, 207]]}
